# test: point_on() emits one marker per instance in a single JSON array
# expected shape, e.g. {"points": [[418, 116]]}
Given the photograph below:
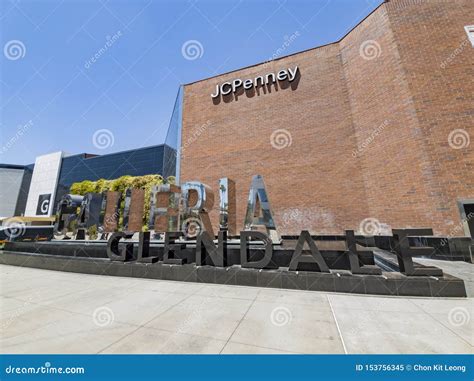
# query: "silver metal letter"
{"points": [[227, 206], [259, 215], [126, 208], [66, 216], [197, 202], [90, 210], [164, 208]]}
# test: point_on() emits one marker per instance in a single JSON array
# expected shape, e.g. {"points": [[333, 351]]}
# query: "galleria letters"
{"points": [[179, 217]]}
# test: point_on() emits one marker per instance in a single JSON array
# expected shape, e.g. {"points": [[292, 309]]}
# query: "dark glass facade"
{"points": [[159, 159], [173, 137]]}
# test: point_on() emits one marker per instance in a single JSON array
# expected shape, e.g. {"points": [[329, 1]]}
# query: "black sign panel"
{"points": [[43, 204]]}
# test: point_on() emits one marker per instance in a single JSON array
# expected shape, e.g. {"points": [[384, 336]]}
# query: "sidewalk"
{"points": [[459, 269], [56, 312]]}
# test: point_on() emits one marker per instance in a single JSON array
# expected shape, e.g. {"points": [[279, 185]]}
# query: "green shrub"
{"points": [[92, 232]]}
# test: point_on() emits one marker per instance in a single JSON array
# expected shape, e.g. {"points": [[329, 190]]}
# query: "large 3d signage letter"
{"points": [[164, 208], [259, 215], [110, 211], [133, 209], [90, 210], [66, 216], [114, 252], [314, 256], [405, 252], [172, 253], [198, 200], [354, 262], [227, 206], [246, 252], [207, 251]]}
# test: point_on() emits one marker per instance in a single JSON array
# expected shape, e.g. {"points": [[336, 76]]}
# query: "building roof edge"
{"points": [[292, 54]]}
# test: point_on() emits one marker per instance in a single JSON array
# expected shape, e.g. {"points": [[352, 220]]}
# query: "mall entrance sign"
{"points": [[179, 219]]}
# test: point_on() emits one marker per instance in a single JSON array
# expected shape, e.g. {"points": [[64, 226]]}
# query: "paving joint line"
{"points": [[337, 325]]}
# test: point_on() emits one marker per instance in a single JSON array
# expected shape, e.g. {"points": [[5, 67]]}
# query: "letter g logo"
{"points": [[44, 206]]}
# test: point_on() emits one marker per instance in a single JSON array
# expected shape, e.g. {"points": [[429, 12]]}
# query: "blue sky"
{"points": [[53, 97]]}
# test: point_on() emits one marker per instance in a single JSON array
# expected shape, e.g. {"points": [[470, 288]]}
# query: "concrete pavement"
{"points": [[459, 269], [46, 311]]}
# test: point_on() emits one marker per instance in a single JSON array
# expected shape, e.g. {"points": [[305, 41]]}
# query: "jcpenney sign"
{"points": [[263, 80]]}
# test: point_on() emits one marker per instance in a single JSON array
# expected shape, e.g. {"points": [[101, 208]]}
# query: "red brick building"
{"points": [[376, 125]]}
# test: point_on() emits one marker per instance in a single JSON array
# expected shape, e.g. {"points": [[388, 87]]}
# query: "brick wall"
{"points": [[360, 124], [381, 101], [438, 61]]}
